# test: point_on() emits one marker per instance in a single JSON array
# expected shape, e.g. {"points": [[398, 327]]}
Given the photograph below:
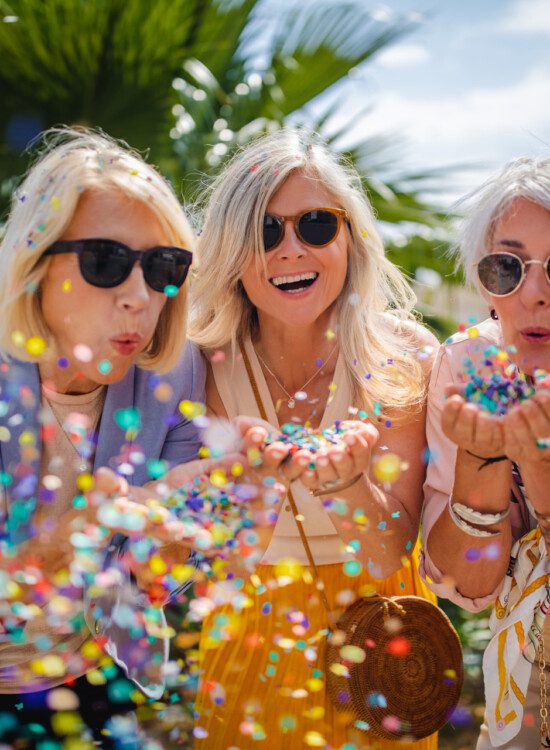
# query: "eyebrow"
{"points": [[511, 243]]}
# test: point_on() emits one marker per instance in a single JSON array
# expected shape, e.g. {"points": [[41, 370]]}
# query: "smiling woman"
{"points": [[304, 321]]}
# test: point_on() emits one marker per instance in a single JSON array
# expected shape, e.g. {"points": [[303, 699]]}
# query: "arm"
{"points": [[466, 569]]}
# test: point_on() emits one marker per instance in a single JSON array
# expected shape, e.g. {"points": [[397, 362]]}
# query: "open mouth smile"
{"points": [[296, 283]]}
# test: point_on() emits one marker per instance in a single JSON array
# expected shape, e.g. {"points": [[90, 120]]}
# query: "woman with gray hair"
{"points": [[305, 322], [487, 507]]}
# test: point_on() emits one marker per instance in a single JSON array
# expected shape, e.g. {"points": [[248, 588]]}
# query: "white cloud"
{"points": [[403, 55], [486, 127], [527, 16]]}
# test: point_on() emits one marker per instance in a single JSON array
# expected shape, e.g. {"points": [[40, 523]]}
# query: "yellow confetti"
{"points": [[218, 478], [288, 568], [49, 666], [315, 685], [27, 438], [35, 346], [473, 333], [355, 654], [157, 565], [340, 670], [237, 470], [67, 285], [388, 468], [67, 722], [85, 482], [314, 739], [330, 334], [18, 339], [364, 233], [91, 651], [182, 573], [191, 409], [56, 203]]}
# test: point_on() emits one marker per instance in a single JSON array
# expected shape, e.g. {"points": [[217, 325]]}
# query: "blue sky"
{"points": [[471, 84]]}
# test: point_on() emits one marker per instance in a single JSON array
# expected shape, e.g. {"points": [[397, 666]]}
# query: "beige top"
{"points": [[238, 398], [21, 664]]}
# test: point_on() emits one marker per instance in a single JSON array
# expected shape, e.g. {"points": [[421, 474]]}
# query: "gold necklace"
{"points": [[291, 403]]}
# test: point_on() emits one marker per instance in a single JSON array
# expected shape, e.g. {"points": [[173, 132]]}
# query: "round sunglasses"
{"points": [[108, 263], [502, 274], [317, 227]]}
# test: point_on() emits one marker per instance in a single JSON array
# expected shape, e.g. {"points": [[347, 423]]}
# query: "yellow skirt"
{"points": [[262, 664]]}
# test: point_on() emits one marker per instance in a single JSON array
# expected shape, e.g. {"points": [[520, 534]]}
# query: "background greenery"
{"points": [[187, 82]]}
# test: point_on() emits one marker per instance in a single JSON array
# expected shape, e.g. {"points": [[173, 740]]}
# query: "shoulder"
{"points": [[419, 342], [471, 344], [185, 380]]}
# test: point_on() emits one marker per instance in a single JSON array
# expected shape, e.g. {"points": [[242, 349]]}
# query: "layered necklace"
{"points": [[291, 403]]}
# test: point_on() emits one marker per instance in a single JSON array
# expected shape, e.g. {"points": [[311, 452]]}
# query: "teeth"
{"points": [[278, 280]]}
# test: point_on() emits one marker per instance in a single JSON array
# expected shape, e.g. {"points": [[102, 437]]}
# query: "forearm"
{"points": [[475, 564], [379, 521], [535, 476]]}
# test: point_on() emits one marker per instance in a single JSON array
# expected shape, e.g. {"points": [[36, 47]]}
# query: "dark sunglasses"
{"points": [[107, 263], [317, 227], [502, 274]]}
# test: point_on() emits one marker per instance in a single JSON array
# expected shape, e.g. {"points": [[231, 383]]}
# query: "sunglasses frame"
{"points": [[523, 264], [62, 247], [340, 213]]}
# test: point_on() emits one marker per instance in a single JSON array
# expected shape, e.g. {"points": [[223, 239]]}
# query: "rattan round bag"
{"points": [[396, 664]]}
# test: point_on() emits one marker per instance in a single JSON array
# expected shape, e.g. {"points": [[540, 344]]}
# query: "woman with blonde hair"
{"points": [[93, 302], [303, 321]]}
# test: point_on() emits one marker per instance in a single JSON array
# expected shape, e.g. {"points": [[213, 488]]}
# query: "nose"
{"points": [[535, 290], [134, 294], [290, 247]]}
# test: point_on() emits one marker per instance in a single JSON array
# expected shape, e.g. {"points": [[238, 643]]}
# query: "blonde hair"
{"points": [[76, 160], [375, 301]]}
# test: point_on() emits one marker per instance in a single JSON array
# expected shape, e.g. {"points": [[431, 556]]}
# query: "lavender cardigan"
{"points": [[164, 434]]}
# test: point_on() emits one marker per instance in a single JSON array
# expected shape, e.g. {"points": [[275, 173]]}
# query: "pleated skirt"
{"points": [[262, 663]]}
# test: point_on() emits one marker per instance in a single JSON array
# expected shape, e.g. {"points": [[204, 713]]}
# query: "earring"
{"points": [[494, 315]]}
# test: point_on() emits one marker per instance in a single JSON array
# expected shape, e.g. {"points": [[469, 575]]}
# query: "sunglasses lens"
{"points": [[166, 266], [318, 228], [272, 232], [499, 273], [104, 264]]}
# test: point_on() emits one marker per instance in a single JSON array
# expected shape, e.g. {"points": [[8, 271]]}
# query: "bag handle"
{"points": [[303, 536]]}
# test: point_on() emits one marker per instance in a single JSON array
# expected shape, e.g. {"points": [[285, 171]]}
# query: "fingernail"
{"points": [[303, 461], [350, 439], [256, 438], [322, 461], [337, 457], [277, 454]]}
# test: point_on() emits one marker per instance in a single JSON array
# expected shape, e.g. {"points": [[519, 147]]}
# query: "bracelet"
{"points": [[487, 461], [337, 487], [466, 527], [476, 516]]}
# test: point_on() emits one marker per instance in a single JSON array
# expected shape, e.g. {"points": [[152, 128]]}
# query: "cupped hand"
{"points": [[471, 428], [527, 430], [340, 463]]}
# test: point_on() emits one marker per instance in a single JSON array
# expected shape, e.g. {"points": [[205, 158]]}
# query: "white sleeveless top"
{"points": [[236, 392]]}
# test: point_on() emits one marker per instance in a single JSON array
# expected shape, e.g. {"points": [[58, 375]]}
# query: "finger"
{"points": [[298, 464], [274, 455], [489, 432], [534, 420], [465, 425], [453, 389], [359, 450], [342, 461], [326, 471], [518, 439], [244, 424], [255, 437], [364, 429], [452, 409], [109, 483]]}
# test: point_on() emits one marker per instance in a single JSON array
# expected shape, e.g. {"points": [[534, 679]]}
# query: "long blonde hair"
{"points": [[375, 303], [76, 160]]}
